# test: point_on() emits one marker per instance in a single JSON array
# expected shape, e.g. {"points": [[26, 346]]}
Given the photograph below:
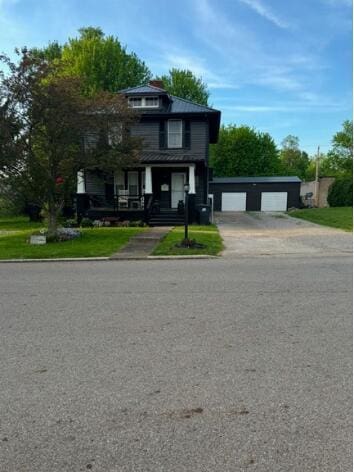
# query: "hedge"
{"points": [[341, 192]]}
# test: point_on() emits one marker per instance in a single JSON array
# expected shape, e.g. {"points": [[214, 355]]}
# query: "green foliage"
{"points": [[341, 192], [339, 160], [86, 223], [70, 223], [243, 151], [102, 62], [184, 84], [293, 161], [50, 53]]}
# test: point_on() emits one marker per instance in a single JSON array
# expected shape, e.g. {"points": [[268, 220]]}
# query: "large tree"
{"points": [[102, 62], [44, 120], [243, 151], [293, 161], [184, 84]]}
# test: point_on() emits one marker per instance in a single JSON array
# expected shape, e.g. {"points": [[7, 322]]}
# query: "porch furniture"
{"points": [[123, 198]]}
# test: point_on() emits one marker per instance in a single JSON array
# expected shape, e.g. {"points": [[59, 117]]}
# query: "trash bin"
{"points": [[203, 213]]}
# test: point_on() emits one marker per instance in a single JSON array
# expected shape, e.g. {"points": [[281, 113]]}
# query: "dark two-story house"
{"points": [[176, 134]]}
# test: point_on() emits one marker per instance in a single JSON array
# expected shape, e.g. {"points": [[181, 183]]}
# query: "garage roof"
{"points": [[251, 180]]}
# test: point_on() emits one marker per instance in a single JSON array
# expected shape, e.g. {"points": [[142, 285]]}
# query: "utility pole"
{"points": [[317, 182]]}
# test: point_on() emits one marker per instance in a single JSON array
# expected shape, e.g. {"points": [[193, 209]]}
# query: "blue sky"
{"points": [[284, 67]]}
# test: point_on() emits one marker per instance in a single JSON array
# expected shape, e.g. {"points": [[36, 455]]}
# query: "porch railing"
{"points": [[116, 202]]}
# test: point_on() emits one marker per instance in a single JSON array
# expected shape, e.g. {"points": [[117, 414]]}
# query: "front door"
{"points": [[177, 188]]}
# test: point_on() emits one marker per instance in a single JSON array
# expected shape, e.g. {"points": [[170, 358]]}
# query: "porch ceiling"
{"points": [[161, 157]]}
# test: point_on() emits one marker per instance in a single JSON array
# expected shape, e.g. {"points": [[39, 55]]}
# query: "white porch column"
{"points": [[192, 178], [148, 180], [80, 182]]}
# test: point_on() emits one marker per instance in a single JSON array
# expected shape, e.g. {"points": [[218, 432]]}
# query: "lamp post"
{"points": [[186, 191]]}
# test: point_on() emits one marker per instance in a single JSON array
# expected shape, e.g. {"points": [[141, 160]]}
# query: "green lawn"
{"points": [[339, 217], [94, 242], [10, 223], [208, 235]]}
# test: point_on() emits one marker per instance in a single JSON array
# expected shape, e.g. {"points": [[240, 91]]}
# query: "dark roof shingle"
{"points": [[250, 180]]}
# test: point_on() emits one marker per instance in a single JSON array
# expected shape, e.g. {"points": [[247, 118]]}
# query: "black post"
{"points": [[186, 217]]}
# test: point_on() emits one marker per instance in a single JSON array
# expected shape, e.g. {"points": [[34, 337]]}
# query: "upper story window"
{"points": [[174, 134], [144, 102]]}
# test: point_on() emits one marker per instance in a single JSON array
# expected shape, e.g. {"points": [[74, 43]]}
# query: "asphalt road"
{"points": [[236, 364]]}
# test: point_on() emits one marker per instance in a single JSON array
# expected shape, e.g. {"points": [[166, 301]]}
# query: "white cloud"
{"points": [[182, 60], [265, 12], [245, 60], [290, 106]]}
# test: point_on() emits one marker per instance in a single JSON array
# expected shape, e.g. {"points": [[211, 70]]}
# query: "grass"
{"points": [[13, 223], [94, 242], [338, 217], [207, 235]]}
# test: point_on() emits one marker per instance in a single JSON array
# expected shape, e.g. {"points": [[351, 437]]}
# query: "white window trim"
{"points": [[143, 102], [168, 134]]}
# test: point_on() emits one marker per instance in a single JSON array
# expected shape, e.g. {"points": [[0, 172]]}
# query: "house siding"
{"points": [[149, 132]]}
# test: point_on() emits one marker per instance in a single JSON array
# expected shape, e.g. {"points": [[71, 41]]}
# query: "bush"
{"points": [[341, 192], [136, 224], [86, 223], [70, 223]]}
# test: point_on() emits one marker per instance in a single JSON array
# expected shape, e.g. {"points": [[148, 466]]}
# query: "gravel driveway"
{"points": [[259, 233], [223, 365]]}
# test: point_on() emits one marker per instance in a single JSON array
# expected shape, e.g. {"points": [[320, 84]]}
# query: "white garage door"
{"points": [[274, 201], [233, 201]]}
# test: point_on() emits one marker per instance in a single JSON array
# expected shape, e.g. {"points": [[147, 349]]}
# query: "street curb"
{"points": [[195, 256], [92, 259], [62, 259]]}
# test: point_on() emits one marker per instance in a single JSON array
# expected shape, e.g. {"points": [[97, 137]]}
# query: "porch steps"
{"points": [[167, 217]]}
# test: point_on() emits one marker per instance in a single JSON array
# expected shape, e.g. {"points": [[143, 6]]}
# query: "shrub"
{"points": [[70, 223], [97, 223], [62, 234], [66, 234], [341, 192], [124, 224], [86, 223]]}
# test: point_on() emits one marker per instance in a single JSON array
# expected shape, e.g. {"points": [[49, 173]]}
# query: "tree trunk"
{"points": [[52, 218]]}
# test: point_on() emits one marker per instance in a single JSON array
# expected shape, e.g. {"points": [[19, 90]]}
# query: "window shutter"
{"points": [[187, 134], [162, 135]]}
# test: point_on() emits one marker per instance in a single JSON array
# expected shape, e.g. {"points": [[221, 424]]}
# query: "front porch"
{"points": [[140, 193]]}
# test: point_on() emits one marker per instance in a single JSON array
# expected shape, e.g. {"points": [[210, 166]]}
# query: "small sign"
{"points": [[165, 187], [38, 239]]}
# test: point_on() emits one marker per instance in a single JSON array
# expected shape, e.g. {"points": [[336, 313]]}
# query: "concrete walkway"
{"points": [[142, 245]]}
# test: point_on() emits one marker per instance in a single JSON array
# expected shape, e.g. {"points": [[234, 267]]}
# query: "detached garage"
{"points": [[255, 193]]}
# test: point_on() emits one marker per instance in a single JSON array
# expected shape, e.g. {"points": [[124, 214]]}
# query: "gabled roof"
{"points": [[143, 89], [251, 180]]}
